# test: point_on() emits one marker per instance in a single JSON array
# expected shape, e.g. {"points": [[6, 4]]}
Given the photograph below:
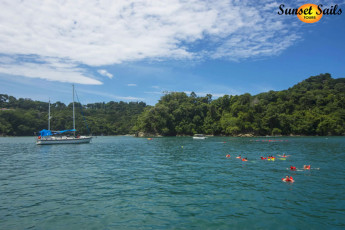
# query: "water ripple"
{"points": [[174, 183]]}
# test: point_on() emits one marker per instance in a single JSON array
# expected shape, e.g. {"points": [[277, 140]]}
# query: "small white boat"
{"points": [[48, 137], [199, 136]]}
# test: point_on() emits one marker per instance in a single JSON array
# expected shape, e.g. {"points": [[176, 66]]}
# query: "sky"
{"points": [[136, 50]]}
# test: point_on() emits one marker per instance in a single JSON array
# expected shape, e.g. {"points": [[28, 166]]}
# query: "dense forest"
{"points": [[25, 117], [315, 106]]}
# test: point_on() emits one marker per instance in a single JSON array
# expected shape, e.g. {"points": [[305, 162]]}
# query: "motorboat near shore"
{"points": [[199, 136]]}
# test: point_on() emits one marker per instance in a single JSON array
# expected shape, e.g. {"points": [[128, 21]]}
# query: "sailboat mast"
{"points": [[49, 116], [73, 112]]}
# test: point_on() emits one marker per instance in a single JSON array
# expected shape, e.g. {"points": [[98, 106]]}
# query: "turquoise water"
{"points": [[172, 183]]}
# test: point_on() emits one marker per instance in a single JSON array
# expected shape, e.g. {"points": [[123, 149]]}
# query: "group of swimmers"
{"points": [[272, 157], [292, 168], [305, 167], [242, 158], [239, 157], [246, 159], [268, 158]]}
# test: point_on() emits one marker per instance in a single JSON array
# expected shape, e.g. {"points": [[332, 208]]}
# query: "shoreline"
{"points": [[239, 135]]}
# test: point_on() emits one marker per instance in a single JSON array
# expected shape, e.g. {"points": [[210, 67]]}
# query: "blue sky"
{"points": [[136, 50]]}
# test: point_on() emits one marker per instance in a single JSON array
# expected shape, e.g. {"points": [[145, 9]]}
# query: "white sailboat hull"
{"points": [[63, 140], [199, 138]]}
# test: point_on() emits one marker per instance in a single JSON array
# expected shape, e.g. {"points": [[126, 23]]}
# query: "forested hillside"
{"points": [[24, 116], [316, 106]]}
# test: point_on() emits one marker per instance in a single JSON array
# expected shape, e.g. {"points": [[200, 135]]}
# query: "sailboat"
{"points": [[49, 137]]}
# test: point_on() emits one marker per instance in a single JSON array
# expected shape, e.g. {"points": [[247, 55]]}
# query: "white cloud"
{"points": [[105, 32], [131, 84], [105, 73], [130, 98], [7, 60], [52, 71], [98, 33]]}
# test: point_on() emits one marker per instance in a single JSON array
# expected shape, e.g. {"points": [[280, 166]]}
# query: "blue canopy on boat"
{"points": [[46, 132]]}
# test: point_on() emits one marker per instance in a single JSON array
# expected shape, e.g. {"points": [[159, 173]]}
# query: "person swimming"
{"points": [[292, 168], [288, 179], [307, 167], [284, 155], [239, 157], [245, 159]]}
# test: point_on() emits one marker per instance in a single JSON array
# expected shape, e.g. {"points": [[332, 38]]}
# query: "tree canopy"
{"points": [[25, 117], [315, 106]]}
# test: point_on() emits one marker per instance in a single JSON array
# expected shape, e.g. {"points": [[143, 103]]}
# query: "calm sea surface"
{"points": [[172, 183]]}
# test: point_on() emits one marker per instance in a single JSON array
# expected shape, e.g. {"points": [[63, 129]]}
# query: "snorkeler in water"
{"points": [[288, 179], [307, 167], [284, 155]]}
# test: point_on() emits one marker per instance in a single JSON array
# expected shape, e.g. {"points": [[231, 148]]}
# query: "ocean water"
{"points": [[172, 183]]}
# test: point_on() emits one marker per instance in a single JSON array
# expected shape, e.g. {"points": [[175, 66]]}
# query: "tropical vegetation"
{"points": [[315, 106]]}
